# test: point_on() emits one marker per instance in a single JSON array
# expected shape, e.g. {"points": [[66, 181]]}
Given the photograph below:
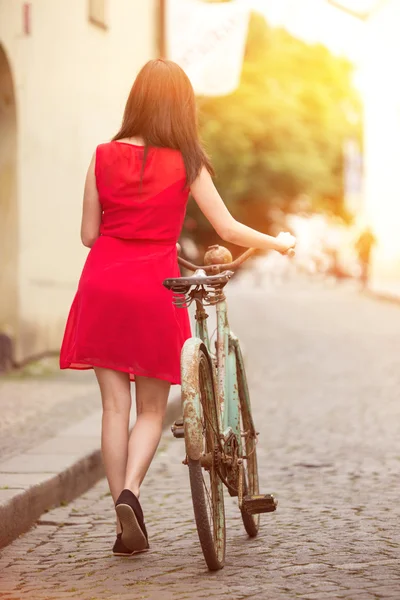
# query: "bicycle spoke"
{"points": [[207, 491], [210, 420], [210, 443], [211, 501]]}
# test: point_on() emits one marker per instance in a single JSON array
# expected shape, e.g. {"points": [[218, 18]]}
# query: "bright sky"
{"points": [[318, 21]]}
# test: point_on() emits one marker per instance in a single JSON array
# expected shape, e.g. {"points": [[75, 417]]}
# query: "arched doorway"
{"points": [[8, 209]]}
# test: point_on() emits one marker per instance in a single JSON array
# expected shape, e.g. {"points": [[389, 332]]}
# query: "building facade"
{"points": [[66, 68]]}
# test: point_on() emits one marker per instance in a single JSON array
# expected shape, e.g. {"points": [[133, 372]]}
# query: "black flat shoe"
{"points": [[119, 549], [134, 534]]}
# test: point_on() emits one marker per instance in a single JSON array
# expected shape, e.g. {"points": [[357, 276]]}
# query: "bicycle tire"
{"points": [[251, 481], [208, 508]]}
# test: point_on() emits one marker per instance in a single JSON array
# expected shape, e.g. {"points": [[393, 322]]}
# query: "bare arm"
{"points": [[91, 213], [230, 230]]}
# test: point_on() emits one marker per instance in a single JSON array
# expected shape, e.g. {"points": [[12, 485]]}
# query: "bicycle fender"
{"points": [[191, 402]]}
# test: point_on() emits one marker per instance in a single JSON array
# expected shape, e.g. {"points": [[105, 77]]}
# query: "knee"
{"points": [[152, 413], [117, 405]]}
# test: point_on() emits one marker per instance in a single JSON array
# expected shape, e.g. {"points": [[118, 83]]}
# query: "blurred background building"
{"points": [[377, 50], [65, 71], [381, 94]]}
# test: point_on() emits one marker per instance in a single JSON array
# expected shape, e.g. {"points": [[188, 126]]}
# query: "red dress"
{"points": [[122, 318]]}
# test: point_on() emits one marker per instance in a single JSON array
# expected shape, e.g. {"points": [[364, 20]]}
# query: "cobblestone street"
{"points": [[324, 374]]}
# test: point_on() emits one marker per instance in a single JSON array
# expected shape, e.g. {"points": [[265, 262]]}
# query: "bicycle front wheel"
{"points": [[206, 486]]}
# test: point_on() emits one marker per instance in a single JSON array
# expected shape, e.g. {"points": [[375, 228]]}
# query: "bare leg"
{"points": [[116, 397], [151, 402]]}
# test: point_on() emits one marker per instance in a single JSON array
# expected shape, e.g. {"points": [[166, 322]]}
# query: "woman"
{"points": [[122, 322]]}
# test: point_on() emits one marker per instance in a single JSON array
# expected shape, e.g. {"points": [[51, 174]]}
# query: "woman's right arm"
{"points": [[230, 230], [91, 212]]}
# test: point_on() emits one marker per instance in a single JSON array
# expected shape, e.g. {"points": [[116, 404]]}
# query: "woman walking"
{"points": [[122, 322]]}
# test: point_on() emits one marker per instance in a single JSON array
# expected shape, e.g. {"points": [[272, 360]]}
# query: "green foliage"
{"points": [[281, 133]]}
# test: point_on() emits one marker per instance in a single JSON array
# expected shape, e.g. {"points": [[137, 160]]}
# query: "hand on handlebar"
{"points": [[285, 243]]}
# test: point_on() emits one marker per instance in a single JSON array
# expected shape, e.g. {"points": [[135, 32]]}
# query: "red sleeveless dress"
{"points": [[122, 318]]}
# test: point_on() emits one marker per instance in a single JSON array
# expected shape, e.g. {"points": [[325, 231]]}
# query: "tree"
{"points": [[281, 133]]}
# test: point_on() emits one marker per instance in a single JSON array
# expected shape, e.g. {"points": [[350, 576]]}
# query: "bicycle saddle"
{"points": [[177, 284]]}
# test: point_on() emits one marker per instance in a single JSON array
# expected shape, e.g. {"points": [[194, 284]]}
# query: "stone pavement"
{"points": [[324, 374], [41, 401]]}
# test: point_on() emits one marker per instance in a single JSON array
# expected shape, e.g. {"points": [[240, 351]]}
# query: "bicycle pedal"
{"points": [[178, 429], [261, 503]]}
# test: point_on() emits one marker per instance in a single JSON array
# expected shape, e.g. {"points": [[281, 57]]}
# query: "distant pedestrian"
{"points": [[364, 246], [122, 322]]}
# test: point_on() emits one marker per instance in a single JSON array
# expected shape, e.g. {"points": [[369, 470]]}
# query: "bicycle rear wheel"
{"points": [[206, 486], [249, 442]]}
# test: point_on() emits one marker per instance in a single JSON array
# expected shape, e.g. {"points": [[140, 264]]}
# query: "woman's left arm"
{"points": [[91, 213]]}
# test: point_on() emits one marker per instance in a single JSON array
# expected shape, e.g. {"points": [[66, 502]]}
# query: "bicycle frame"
{"points": [[225, 363]]}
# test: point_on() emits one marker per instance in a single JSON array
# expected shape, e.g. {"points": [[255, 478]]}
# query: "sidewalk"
{"points": [[50, 445], [40, 401]]}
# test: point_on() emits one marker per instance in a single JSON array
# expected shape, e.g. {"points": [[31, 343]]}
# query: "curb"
{"points": [[22, 504]]}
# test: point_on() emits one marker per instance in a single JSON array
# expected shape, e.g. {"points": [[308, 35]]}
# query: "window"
{"points": [[97, 13]]}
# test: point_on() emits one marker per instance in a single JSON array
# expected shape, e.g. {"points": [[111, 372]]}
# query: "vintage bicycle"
{"points": [[217, 423]]}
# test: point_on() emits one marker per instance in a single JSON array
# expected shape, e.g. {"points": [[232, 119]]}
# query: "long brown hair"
{"points": [[161, 109]]}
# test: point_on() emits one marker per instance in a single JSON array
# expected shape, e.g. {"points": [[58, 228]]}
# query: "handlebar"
{"points": [[232, 266]]}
